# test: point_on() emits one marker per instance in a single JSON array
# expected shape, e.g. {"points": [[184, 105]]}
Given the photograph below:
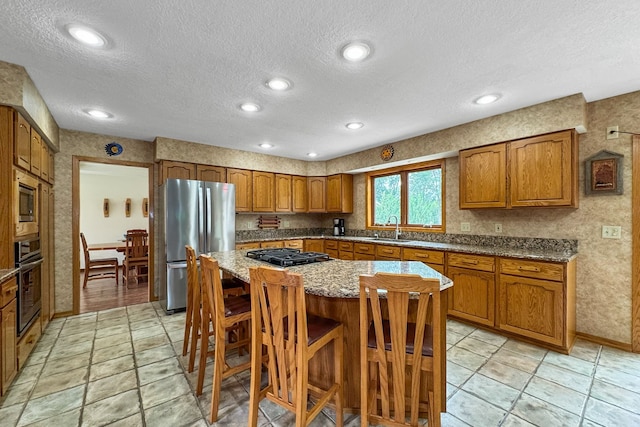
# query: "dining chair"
{"points": [[193, 318], [400, 352], [136, 257], [280, 322], [231, 313], [94, 268]]}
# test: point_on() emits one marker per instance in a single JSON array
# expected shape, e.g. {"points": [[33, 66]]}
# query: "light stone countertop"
{"points": [[7, 273], [335, 278], [534, 254]]}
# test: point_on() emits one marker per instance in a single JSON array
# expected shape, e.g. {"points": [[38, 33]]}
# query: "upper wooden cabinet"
{"points": [[483, 177], [44, 162], [340, 193], [542, 172], [243, 181], [51, 166], [299, 195], [283, 193], [36, 152], [177, 170], [263, 191], [22, 147], [316, 193], [211, 173]]}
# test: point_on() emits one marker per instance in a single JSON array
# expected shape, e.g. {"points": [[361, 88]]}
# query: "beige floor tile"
{"points": [[569, 362], [570, 379], [110, 386], [164, 390], [155, 354], [616, 396], [104, 354], [525, 349], [52, 405], [147, 343], [494, 392], [478, 347], [619, 378], [48, 384], [111, 409], [609, 415], [512, 377], [541, 413], [563, 397], [465, 358], [156, 371], [474, 411], [55, 366], [516, 360], [111, 367], [66, 419], [182, 410], [111, 340], [457, 374]]}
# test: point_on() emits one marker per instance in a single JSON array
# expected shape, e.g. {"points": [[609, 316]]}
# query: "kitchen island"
{"points": [[333, 291]]}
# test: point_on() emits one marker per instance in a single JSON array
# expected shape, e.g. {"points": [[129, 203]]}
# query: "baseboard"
{"points": [[63, 314], [604, 341]]}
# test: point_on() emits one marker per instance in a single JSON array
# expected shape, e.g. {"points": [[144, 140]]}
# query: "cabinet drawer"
{"points": [[276, 244], [388, 251], [473, 262], [252, 245], [296, 244], [364, 248], [333, 253], [424, 255], [331, 244], [534, 269], [9, 289], [27, 343], [346, 255], [345, 246]]}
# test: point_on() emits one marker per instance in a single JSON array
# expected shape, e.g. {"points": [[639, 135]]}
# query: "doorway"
{"points": [[109, 197]]}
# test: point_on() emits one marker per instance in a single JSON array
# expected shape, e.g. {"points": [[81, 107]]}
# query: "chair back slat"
{"points": [[85, 250], [412, 303], [137, 244]]}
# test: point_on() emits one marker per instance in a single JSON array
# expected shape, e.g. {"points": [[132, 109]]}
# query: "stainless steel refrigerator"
{"points": [[200, 214]]}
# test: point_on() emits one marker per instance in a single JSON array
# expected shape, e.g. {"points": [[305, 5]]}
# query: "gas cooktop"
{"points": [[286, 257]]}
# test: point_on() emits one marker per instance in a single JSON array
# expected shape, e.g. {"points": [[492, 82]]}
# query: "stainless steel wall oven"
{"points": [[29, 262]]}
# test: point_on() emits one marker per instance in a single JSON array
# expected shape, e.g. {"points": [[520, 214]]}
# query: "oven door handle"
{"points": [[31, 264]]}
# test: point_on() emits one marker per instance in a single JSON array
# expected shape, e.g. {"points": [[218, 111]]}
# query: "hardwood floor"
{"points": [[102, 294]]}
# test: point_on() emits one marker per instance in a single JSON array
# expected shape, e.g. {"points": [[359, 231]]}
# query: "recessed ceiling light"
{"points": [[86, 35], [354, 125], [279, 83], [249, 107], [487, 99], [356, 51], [99, 114], [265, 145], [312, 154]]}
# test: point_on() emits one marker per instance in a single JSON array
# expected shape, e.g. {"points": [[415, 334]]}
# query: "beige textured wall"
{"points": [[17, 89]]}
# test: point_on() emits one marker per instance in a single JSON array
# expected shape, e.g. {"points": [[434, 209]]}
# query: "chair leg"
{"points": [[302, 390], [117, 267], [188, 323], [86, 276], [338, 348], [218, 369], [204, 349], [256, 373], [196, 330]]}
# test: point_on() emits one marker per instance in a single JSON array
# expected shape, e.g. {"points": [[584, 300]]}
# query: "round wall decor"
{"points": [[386, 153], [113, 149]]}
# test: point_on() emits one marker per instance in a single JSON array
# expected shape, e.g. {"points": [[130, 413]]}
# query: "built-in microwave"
{"points": [[25, 204]]}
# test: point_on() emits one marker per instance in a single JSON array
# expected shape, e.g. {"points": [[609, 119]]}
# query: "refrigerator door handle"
{"points": [[207, 219], [201, 218], [173, 265]]}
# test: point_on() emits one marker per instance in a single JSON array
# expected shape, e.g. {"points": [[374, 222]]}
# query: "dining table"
{"points": [[119, 246], [332, 290]]}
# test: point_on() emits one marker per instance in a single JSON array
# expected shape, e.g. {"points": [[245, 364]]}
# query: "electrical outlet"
{"points": [[498, 228], [612, 132], [249, 225], [285, 224], [465, 226], [611, 232]]}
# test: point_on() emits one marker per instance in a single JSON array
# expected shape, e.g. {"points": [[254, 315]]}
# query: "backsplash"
{"points": [[527, 243]]}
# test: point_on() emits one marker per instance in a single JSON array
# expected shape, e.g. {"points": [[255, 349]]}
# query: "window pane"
{"points": [[425, 197], [386, 198]]}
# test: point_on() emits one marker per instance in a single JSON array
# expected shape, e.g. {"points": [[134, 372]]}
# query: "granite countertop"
{"points": [[7, 274], [536, 254], [336, 278]]}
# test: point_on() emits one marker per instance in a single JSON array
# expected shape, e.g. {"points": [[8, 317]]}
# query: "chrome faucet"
{"points": [[398, 232]]}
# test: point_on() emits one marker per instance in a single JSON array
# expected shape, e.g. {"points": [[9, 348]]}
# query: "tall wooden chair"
{"points": [[224, 313], [136, 257], [193, 318], [97, 265], [280, 322], [397, 351]]}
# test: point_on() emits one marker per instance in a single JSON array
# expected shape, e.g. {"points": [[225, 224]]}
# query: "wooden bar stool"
{"points": [[395, 352], [193, 318], [233, 312], [280, 322]]}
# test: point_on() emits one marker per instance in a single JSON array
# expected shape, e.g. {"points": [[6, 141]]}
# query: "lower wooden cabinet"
{"points": [[249, 245], [364, 251], [434, 259], [8, 328], [27, 342], [314, 245], [472, 296], [331, 248], [294, 244], [272, 244], [388, 253]]}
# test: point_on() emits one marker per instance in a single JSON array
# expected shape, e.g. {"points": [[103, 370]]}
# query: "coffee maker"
{"points": [[338, 226]]}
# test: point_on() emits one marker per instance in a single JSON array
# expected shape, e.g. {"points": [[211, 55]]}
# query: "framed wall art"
{"points": [[603, 173]]}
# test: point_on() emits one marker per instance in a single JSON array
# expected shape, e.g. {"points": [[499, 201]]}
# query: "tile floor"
{"points": [[122, 367]]}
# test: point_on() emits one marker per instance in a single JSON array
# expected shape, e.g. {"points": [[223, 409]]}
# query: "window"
{"points": [[413, 194]]}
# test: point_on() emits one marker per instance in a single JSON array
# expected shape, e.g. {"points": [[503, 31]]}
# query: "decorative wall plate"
{"points": [[386, 153], [113, 149]]}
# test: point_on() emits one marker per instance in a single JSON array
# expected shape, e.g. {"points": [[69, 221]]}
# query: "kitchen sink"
{"points": [[384, 239]]}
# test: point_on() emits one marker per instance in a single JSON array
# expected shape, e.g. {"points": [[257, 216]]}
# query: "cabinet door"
{"points": [[263, 191], [51, 166], [177, 170], [8, 345], [483, 177], [531, 308], [36, 153], [317, 193], [211, 173], [22, 155], [543, 171], [44, 162], [45, 312], [299, 193], [340, 193], [314, 245], [283, 193], [472, 296], [243, 181]]}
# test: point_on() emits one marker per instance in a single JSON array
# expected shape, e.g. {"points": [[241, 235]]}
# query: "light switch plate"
{"points": [[498, 227], [465, 226], [611, 232]]}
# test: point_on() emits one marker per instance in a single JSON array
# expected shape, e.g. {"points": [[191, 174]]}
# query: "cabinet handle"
{"points": [[422, 256], [470, 261], [528, 268], [387, 251]]}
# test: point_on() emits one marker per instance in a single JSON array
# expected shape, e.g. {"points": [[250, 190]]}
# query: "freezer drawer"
{"points": [[175, 295]]}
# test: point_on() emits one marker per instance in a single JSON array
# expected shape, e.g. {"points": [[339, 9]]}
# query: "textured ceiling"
{"points": [[179, 69]]}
